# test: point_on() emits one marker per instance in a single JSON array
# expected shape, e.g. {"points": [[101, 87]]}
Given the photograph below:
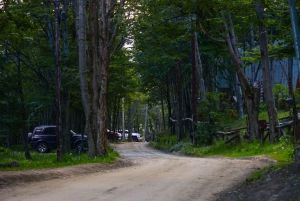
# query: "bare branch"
{"points": [[209, 36], [115, 32]]}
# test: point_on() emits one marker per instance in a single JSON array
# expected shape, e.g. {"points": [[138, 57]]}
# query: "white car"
{"points": [[136, 137]]}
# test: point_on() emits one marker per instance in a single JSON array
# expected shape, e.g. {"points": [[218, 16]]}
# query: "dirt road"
{"points": [[155, 176]]}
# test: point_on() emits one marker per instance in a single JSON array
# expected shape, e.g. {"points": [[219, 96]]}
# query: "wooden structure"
{"points": [[231, 134]]}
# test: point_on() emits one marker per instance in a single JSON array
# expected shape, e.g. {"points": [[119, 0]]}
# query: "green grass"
{"points": [[282, 151], [262, 116], [49, 160], [257, 175]]}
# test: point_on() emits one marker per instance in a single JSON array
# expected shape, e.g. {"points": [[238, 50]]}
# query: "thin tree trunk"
{"points": [[130, 123], [104, 62], [239, 97], [24, 131], [59, 133], [249, 94], [49, 28], [163, 127], [266, 71], [178, 104], [81, 34], [66, 94], [199, 67], [292, 94]]}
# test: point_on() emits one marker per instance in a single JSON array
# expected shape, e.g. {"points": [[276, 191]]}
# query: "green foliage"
{"points": [[179, 146], [203, 132], [215, 107], [281, 151], [257, 175], [280, 93], [263, 108], [216, 112], [49, 160], [164, 142], [297, 99]]}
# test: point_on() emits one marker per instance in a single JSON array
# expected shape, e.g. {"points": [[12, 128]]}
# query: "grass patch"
{"points": [[257, 175], [49, 160], [281, 151]]}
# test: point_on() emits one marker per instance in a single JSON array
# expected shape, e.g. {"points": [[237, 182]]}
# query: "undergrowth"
{"points": [[281, 151], [48, 160]]}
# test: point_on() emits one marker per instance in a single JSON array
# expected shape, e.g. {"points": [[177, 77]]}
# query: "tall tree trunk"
{"points": [[179, 127], [101, 36], [50, 28], [130, 123], [81, 35], [199, 67], [67, 127], [296, 37], [239, 96], [24, 131], [59, 134], [108, 33], [292, 94], [66, 94], [267, 84], [169, 106], [163, 121], [93, 65], [250, 94]]}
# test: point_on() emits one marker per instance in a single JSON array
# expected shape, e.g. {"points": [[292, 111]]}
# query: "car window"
{"points": [[50, 131], [37, 131]]}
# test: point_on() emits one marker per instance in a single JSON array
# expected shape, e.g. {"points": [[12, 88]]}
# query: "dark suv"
{"points": [[43, 139]]}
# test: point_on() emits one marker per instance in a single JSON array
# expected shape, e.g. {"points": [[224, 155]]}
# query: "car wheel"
{"points": [[79, 146], [134, 138], [42, 147]]}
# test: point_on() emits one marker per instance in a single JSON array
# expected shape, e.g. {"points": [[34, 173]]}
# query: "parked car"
{"points": [[136, 137], [112, 135], [43, 139]]}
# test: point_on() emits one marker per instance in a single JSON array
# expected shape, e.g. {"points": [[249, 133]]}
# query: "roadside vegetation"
{"points": [[282, 151], [49, 160], [219, 120]]}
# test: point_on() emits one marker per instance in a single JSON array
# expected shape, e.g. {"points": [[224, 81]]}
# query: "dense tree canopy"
{"points": [[143, 53]]}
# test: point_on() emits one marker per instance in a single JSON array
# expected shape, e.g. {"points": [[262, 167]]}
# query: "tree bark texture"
{"points": [[266, 72], [199, 67], [59, 133], [249, 93], [94, 62], [24, 131], [66, 94], [178, 104], [83, 77]]}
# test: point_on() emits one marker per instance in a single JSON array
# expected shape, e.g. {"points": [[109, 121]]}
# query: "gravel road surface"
{"points": [[153, 176]]}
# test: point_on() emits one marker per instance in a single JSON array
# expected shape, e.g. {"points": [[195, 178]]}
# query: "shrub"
{"points": [[280, 93]]}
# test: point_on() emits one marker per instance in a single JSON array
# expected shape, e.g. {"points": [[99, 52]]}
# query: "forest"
{"points": [[156, 67]]}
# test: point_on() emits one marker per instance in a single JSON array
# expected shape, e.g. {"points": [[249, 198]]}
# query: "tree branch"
{"points": [[115, 32], [209, 36]]}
